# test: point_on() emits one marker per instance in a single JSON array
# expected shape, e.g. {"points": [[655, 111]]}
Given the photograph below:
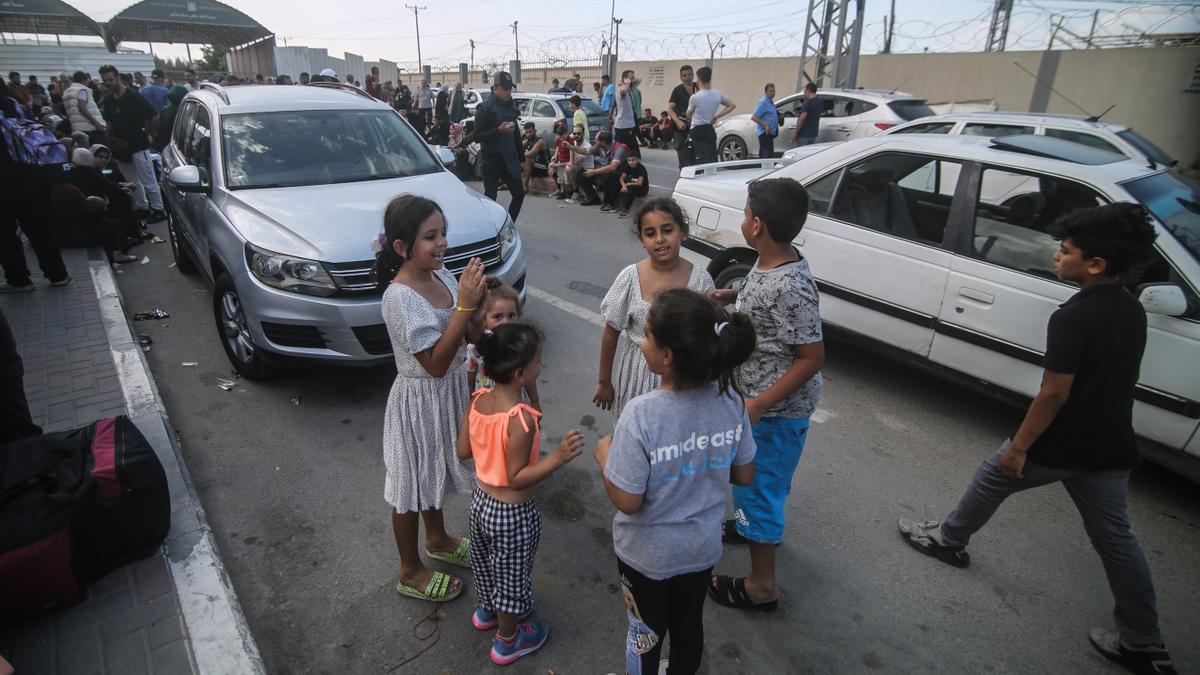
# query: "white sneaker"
{"points": [[62, 282]]}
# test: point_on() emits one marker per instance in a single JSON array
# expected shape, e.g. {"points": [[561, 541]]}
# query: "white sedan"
{"points": [[934, 249]]}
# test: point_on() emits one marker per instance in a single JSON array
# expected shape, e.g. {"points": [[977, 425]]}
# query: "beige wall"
{"points": [[1156, 90]]}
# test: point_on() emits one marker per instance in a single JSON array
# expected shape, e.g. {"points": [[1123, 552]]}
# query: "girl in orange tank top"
{"points": [[502, 434]]}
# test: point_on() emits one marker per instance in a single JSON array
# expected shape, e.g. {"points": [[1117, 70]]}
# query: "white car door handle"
{"points": [[845, 130], [977, 296]]}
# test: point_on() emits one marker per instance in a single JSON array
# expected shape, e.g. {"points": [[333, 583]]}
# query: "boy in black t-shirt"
{"points": [[1079, 429], [635, 182]]}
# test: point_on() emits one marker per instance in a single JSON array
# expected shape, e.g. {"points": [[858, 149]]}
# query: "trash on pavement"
{"points": [[296, 400], [145, 260], [172, 265], [149, 314], [199, 291], [226, 384], [145, 341], [189, 364], [157, 240]]}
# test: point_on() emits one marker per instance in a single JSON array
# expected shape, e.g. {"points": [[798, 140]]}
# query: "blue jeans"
{"points": [[1100, 497], [758, 508]]}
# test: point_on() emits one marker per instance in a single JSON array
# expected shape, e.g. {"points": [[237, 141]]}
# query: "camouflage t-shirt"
{"points": [[783, 304]]}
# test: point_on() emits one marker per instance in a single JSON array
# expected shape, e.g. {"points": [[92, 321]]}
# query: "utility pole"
{"points": [[472, 54], [616, 44], [417, 19], [516, 41], [998, 28], [889, 27], [612, 15]]}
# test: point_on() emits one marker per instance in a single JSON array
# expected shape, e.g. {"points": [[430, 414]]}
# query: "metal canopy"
{"points": [[200, 22], [45, 17]]}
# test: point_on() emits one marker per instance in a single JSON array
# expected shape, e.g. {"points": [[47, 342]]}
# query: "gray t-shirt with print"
{"points": [[676, 448], [626, 117], [784, 306]]}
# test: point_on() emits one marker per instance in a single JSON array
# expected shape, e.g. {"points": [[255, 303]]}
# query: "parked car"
{"points": [[275, 195], [1106, 136], [849, 113], [546, 110], [473, 97], [934, 249]]}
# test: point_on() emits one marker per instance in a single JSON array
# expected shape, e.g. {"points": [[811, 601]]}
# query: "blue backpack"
{"points": [[31, 143]]}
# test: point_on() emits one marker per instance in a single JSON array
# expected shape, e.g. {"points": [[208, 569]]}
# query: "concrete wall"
{"points": [[46, 60], [1155, 90]]}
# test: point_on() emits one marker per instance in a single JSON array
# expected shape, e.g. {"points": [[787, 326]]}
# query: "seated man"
{"points": [[635, 183], [645, 128], [581, 158], [439, 132], [664, 131], [609, 157]]}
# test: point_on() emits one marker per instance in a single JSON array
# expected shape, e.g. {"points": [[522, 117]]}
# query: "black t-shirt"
{"points": [[1098, 336], [632, 174], [126, 117], [812, 124], [680, 97]]}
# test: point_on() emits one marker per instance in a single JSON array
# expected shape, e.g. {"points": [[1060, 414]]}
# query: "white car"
{"points": [[934, 249], [1107, 136], [849, 113], [473, 97]]}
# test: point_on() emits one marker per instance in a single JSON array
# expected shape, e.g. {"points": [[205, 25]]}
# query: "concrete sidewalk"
{"points": [[174, 612]]}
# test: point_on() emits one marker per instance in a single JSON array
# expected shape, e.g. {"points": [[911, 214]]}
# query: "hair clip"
{"points": [[379, 243], [718, 327]]}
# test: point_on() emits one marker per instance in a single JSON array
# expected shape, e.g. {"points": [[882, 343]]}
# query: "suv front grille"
{"points": [[374, 339], [354, 278], [289, 335]]}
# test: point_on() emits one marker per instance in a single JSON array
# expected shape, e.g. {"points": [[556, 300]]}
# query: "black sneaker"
{"points": [[157, 216], [926, 538], [589, 202], [606, 208], [1141, 659]]}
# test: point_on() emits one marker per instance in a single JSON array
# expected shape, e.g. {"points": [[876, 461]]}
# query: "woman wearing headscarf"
{"points": [[80, 219], [104, 179], [166, 118]]}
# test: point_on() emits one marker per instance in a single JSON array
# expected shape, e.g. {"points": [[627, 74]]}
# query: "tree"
{"points": [[212, 59]]}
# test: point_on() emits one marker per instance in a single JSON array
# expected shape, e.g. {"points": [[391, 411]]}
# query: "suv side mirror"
{"points": [[186, 178], [1163, 298], [445, 155]]}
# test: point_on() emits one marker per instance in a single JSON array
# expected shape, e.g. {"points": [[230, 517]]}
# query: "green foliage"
{"points": [[212, 59]]}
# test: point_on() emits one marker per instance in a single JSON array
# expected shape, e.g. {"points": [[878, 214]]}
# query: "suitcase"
{"points": [[74, 505]]}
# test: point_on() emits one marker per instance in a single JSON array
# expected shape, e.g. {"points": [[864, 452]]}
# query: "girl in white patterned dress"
{"points": [[661, 227], [427, 314]]}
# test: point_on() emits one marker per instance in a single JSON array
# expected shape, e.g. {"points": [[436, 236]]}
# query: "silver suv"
{"points": [[276, 194]]}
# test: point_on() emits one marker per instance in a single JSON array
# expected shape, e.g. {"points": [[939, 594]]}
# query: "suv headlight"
{"points": [[508, 238], [289, 273]]}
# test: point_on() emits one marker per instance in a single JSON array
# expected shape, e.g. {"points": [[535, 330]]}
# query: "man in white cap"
{"points": [[329, 75]]}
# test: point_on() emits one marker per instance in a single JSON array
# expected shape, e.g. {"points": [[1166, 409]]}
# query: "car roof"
{"points": [[867, 93], [273, 98], [1066, 121], [983, 149]]}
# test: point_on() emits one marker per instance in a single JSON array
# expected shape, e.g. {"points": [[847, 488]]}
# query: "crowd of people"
{"points": [[80, 165]]}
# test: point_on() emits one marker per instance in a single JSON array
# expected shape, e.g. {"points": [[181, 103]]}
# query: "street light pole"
{"points": [[417, 19], [516, 41]]}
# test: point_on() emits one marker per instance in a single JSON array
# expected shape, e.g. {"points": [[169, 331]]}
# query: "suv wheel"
{"points": [[183, 261], [234, 331], [733, 276], [732, 149]]}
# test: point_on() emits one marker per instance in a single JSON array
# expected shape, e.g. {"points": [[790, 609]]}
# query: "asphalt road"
{"points": [[291, 474]]}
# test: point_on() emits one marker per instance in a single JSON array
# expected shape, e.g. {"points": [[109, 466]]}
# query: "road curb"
{"points": [[220, 637]]}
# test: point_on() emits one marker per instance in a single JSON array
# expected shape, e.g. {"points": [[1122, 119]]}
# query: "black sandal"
{"points": [[731, 592]]}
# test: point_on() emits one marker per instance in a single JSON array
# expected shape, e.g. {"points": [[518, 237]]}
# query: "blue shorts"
{"points": [[758, 507]]}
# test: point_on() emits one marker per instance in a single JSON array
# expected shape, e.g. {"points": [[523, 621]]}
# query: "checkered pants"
{"points": [[504, 539]]}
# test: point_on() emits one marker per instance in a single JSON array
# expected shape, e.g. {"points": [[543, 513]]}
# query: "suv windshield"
{"points": [[910, 110], [1150, 150], [1175, 204], [588, 106], [317, 147]]}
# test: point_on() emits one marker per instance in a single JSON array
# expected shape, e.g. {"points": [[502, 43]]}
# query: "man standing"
{"points": [[18, 91], [139, 80], [766, 117], [131, 121], [155, 93], [808, 124], [677, 111], [190, 83], [373, 87], [703, 112], [37, 95], [608, 94], [1079, 429], [495, 129], [625, 115], [425, 103], [82, 111], [578, 116], [554, 87]]}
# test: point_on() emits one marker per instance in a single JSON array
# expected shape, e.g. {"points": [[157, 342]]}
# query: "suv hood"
{"points": [[337, 223]]}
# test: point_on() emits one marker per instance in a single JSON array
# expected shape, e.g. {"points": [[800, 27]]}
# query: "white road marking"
{"points": [[663, 187], [566, 305]]}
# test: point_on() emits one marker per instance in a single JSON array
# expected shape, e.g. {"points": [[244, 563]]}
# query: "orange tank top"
{"points": [[489, 440]]}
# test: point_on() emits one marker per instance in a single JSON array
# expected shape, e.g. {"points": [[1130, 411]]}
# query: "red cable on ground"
{"points": [[435, 634]]}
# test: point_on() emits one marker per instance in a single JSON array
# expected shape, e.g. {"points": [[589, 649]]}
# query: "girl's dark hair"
{"points": [[498, 290], [506, 349], [401, 221], [662, 205], [707, 341]]}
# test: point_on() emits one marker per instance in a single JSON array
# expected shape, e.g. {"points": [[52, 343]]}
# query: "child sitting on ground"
{"points": [[560, 167], [667, 468], [635, 183], [502, 434], [502, 305]]}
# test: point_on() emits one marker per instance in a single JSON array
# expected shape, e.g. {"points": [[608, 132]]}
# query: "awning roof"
{"points": [[45, 17], [199, 22]]}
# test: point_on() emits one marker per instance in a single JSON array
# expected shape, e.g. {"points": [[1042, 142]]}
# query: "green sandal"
{"points": [[460, 556], [438, 589]]}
